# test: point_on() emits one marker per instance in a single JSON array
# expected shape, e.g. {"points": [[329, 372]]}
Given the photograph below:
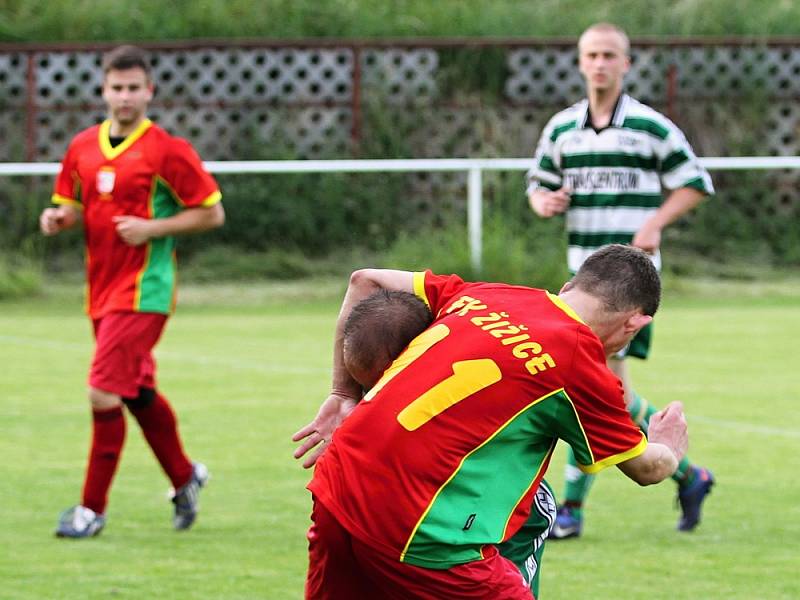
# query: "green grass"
{"points": [[245, 366]]}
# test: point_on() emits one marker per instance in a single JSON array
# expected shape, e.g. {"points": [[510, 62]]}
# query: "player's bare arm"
{"points": [[58, 218], [135, 231], [345, 391], [668, 440], [677, 204], [546, 203]]}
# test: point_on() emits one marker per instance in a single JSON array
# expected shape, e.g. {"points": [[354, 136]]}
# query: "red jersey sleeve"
{"points": [[184, 172], [436, 290], [606, 435], [68, 184]]}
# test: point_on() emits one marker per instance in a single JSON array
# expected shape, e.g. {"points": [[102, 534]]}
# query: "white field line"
{"points": [[240, 365], [741, 427]]}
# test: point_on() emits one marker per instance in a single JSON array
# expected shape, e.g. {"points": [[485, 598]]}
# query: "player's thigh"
{"points": [[123, 359], [526, 547], [333, 571], [491, 578]]}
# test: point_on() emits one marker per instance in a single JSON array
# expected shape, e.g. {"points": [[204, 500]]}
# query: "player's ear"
{"points": [[636, 321]]}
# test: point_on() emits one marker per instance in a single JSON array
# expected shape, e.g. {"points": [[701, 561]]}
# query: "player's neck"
{"points": [[602, 104], [118, 129], [587, 307]]}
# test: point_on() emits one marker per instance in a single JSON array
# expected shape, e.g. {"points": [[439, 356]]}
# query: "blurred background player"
{"points": [[605, 162], [135, 187], [453, 439], [377, 330]]}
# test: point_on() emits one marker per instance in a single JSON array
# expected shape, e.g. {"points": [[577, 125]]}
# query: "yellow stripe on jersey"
{"points": [[59, 199], [616, 459], [419, 288], [213, 199], [564, 306]]}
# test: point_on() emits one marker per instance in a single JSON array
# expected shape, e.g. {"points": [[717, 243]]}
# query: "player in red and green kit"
{"points": [[134, 187], [440, 460], [376, 331]]}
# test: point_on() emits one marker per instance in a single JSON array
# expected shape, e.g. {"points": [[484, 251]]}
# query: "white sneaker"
{"points": [[80, 522], [187, 498]]}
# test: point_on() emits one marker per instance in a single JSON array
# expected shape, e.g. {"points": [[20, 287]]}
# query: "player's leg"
{"points": [[108, 435], [526, 547], [491, 577], [333, 571], [694, 482], [158, 421], [569, 520], [160, 428]]}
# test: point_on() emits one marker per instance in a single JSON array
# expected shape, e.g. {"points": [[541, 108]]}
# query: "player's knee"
{"points": [[102, 400], [142, 400]]}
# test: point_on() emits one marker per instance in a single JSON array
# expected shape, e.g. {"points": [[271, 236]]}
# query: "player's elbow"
{"points": [[217, 216], [363, 279], [654, 466], [647, 478]]}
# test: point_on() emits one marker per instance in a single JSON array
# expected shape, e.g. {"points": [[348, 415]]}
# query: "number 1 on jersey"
{"points": [[469, 377]]}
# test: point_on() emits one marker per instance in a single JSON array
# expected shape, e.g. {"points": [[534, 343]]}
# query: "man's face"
{"points": [[127, 94], [603, 60]]}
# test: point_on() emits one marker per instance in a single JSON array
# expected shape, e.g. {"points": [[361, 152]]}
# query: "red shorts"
{"points": [[123, 358], [342, 567]]}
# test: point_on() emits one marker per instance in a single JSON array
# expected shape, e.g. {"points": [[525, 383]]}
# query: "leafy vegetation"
{"points": [[83, 20]]}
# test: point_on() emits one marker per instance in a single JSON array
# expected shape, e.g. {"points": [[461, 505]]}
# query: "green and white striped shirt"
{"points": [[616, 176]]}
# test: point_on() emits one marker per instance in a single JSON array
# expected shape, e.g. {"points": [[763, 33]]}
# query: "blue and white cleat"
{"points": [[567, 525], [187, 498], [691, 499], [79, 522]]}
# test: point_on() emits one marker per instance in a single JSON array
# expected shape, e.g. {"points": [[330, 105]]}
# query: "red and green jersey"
{"points": [[445, 453], [151, 174]]}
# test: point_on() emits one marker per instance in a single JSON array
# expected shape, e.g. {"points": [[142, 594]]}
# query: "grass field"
{"points": [[246, 366]]}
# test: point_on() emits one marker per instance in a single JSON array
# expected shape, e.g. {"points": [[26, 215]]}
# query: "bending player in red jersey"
{"points": [[377, 330], [134, 186], [440, 460]]}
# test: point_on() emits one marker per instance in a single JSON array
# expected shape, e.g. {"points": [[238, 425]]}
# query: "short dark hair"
{"points": [[623, 277], [381, 326], [126, 57]]}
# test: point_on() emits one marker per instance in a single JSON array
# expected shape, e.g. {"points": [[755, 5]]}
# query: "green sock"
{"points": [[641, 411], [576, 485]]}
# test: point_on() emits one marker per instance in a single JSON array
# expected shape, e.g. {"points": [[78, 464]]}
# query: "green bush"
{"points": [[47, 21], [535, 257]]}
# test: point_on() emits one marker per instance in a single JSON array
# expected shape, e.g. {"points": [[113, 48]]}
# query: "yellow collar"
{"points": [[113, 152]]}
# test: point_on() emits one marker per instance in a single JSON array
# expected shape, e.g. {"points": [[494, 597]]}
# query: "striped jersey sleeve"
{"points": [[679, 165], [546, 170]]}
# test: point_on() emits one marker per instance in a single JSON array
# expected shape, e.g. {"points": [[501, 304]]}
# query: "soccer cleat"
{"points": [[567, 525], [79, 522], [186, 498], [691, 498]]}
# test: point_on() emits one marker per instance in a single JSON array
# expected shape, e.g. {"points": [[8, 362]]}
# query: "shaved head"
{"points": [[606, 28]]}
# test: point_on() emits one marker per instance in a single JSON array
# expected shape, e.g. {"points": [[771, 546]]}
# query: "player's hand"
{"points": [[668, 427], [317, 435], [134, 231], [648, 238], [55, 219], [547, 204]]}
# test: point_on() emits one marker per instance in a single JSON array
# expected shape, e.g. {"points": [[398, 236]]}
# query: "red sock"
{"points": [[160, 429], [108, 436]]}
